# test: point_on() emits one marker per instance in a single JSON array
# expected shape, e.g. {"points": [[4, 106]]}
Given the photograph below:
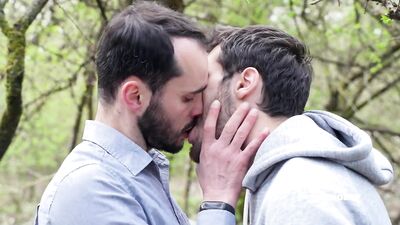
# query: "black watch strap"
{"points": [[216, 205]]}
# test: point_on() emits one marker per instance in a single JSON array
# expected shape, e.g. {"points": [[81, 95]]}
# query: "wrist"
{"points": [[216, 205], [229, 199]]}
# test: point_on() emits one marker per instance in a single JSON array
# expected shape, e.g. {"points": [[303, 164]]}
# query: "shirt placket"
{"points": [[163, 166]]}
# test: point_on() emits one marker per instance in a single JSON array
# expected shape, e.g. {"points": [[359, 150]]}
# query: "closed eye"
{"points": [[188, 98]]}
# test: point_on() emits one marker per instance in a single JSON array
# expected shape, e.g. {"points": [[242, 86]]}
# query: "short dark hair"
{"points": [[137, 41], [218, 34], [282, 61]]}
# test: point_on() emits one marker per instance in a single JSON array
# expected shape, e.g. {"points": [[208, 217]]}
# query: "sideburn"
{"points": [[227, 106]]}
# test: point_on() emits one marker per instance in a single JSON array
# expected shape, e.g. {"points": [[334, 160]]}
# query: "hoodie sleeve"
{"points": [[215, 217]]}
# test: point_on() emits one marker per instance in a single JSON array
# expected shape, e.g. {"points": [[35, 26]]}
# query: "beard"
{"points": [[157, 129], [227, 110]]}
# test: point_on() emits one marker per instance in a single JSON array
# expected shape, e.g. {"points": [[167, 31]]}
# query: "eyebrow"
{"points": [[199, 90]]}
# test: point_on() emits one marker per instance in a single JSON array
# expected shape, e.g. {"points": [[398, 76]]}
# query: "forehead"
{"points": [[191, 57]]}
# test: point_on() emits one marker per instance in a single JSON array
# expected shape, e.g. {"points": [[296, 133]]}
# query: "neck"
{"points": [[121, 120], [264, 122]]}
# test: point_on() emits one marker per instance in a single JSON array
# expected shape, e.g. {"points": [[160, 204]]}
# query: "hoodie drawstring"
{"points": [[246, 210]]}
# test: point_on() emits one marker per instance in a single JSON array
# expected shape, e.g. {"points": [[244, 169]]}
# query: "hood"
{"points": [[324, 135]]}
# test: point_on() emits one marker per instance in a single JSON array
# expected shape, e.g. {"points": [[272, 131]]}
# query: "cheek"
{"points": [[173, 104], [210, 94], [178, 112]]}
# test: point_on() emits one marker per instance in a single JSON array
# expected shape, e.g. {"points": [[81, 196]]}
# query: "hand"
{"points": [[223, 164]]}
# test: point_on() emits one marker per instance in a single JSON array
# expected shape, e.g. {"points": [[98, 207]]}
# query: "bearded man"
{"points": [[314, 167]]}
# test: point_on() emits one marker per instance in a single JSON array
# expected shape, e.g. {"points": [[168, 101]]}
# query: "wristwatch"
{"points": [[216, 205]]}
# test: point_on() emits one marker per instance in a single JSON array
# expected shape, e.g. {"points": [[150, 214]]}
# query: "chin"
{"points": [[174, 148]]}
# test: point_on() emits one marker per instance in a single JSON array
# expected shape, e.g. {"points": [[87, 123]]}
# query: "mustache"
{"points": [[190, 126]]}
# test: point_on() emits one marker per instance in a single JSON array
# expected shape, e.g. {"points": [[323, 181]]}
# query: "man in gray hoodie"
{"points": [[314, 167]]}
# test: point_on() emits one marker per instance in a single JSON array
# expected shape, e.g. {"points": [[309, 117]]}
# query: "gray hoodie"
{"points": [[316, 168]]}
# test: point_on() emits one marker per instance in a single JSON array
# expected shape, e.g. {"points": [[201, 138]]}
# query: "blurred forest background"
{"points": [[48, 80]]}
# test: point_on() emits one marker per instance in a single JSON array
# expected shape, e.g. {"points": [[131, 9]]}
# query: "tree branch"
{"points": [[74, 23], [4, 26], [391, 6], [352, 109], [363, 85], [315, 2], [374, 131], [337, 63], [382, 147], [30, 16], [303, 15], [86, 100], [55, 90], [102, 11], [393, 29], [296, 23], [15, 70], [47, 94], [78, 118], [89, 105], [381, 130], [383, 58]]}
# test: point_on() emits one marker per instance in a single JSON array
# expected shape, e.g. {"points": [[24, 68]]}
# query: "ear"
{"points": [[247, 84], [135, 95]]}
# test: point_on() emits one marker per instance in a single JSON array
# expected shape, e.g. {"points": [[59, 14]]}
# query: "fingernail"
{"points": [[215, 104], [253, 112]]}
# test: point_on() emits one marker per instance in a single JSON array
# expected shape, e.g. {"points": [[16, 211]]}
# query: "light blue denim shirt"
{"points": [[108, 179]]}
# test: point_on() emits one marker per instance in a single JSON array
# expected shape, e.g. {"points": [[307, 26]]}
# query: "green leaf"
{"points": [[386, 20]]}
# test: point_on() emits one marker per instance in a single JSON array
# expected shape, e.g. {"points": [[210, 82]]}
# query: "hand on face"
{"points": [[223, 164]]}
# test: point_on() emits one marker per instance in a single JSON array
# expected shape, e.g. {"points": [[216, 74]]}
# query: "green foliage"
{"points": [[386, 20]]}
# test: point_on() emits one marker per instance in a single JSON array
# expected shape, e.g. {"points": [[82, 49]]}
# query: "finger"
{"points": [[245, 128], [251, 149], [210, 123], [233, 123]]}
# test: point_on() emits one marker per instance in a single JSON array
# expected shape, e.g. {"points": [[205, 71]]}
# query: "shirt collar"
{"points": [[131, 155], [159, 158]]}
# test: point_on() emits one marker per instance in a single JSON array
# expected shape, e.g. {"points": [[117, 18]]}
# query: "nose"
{"points": [[197, 106]]}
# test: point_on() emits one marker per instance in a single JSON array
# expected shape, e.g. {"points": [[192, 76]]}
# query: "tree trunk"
{"points": [[15, 70], [14, 77]]}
